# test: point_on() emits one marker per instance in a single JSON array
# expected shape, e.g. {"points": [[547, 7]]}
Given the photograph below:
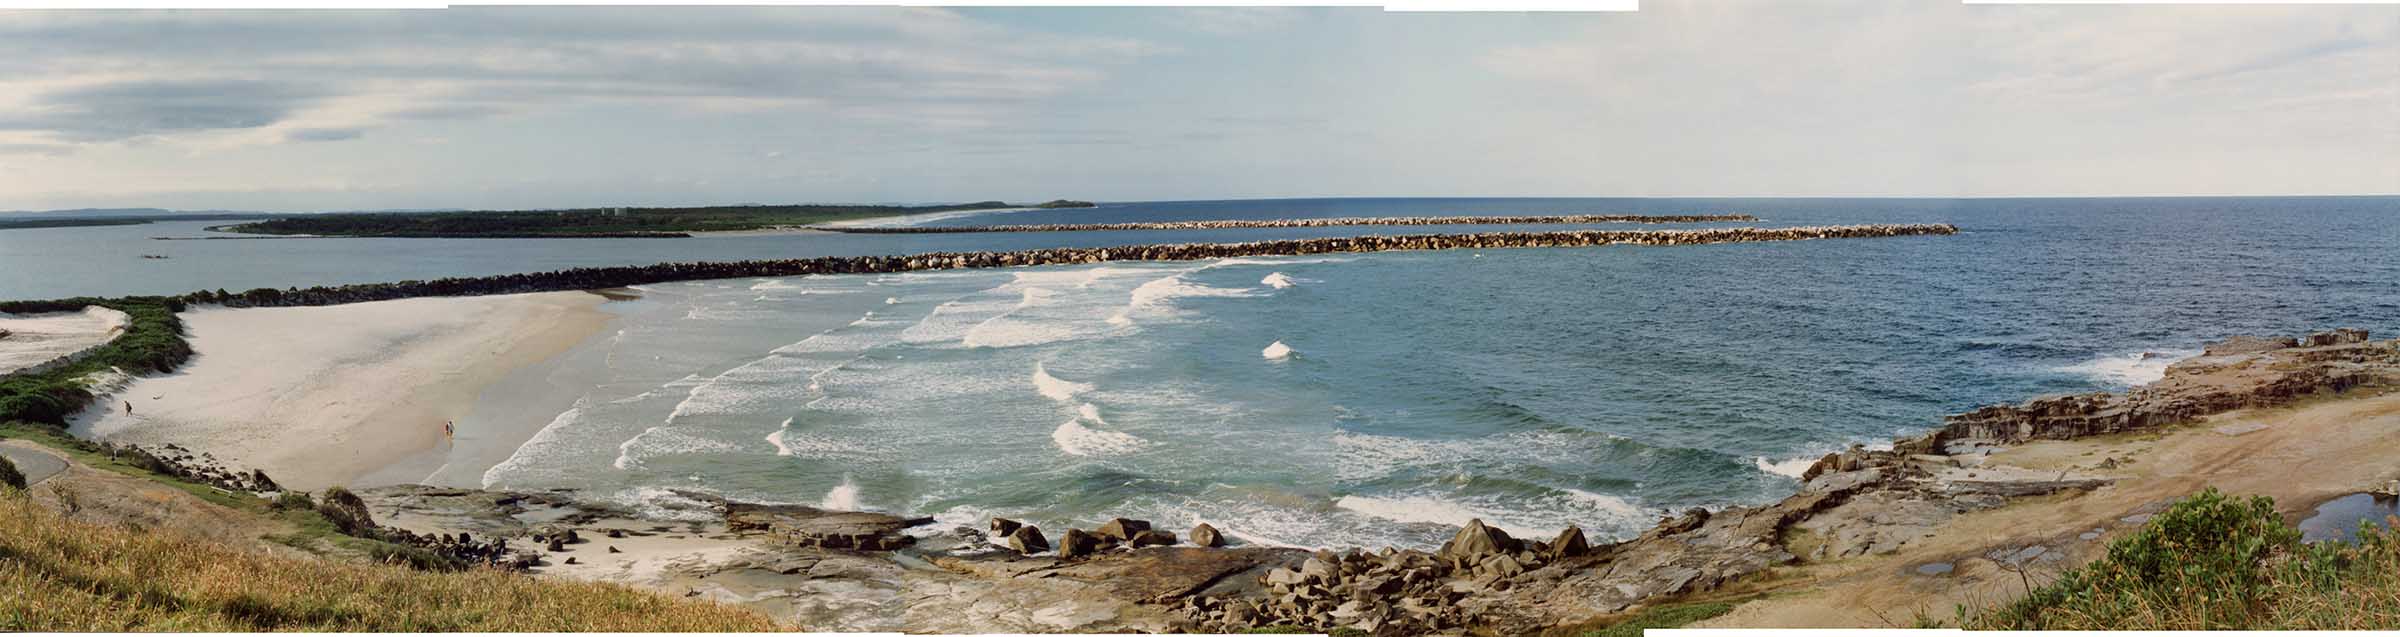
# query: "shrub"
{"points": [[292, 501], [2213, 561], [10, 477], [347, 512]]}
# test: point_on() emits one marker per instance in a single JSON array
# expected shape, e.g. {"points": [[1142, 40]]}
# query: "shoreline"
{"points": [[1958, 516], [327, 396]]}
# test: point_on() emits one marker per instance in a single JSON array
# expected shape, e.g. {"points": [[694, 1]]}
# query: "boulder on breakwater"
{"points": [[1329, 222], [623, 276]]}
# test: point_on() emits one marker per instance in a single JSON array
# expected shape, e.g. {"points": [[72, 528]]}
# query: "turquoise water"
{"points": [[1532, 388]]}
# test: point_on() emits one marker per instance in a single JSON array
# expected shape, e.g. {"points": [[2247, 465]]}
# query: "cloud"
{"points": [[109, 76], [53, 150], [1233, 20], [112, 111], [323, 134]]}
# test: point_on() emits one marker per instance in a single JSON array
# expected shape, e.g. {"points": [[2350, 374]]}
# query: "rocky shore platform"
{"points": [[1329, 222], [618, 277], [1855, 511]]}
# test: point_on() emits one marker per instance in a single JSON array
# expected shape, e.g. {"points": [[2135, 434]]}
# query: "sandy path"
{"points": [[319, 396], [2305, 455]]}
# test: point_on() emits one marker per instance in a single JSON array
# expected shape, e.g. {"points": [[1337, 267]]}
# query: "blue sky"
{"points": [[556, 107]]}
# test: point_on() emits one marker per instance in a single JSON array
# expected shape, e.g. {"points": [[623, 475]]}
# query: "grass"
{"points": [[1667, 616], [61, 575], [2217, 562]]}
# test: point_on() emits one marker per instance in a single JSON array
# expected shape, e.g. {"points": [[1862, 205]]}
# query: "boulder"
{"points": [[1122, 529], [1475, 541], [1027, 539], [1077, 543], [1002, 527], [1152, 537], [1206, 536]]}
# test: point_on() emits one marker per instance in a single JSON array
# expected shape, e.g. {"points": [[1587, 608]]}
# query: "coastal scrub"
{"points": [[2219, 562]]}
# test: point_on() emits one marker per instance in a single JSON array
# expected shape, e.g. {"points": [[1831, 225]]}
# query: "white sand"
{"points": [[318, 396], [34, 339]]}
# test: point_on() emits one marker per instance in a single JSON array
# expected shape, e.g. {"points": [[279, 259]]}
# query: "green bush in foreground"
{"points": [[2214, 561], [10, 477]]}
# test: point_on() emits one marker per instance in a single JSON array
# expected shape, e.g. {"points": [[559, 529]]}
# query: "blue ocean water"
{"points": [[1532, 388]]}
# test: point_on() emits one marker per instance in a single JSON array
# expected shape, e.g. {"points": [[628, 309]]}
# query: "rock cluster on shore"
{"points": [[2236, 373], [616, 277], [1329, 222]]}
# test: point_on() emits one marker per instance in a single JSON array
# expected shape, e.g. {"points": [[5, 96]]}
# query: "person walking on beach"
{"points": [[128, 408], [449, 429]]}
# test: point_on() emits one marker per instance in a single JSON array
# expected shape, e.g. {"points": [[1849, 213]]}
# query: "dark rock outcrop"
{"points": [[1206, 536], [1028, 540], [821, 528], [1121, 529], [2236, 373]]}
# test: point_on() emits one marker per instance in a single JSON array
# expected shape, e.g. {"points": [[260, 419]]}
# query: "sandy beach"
{"points": [[27, 340], [320, 396]]}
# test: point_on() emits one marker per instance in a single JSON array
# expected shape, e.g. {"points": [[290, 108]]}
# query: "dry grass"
{"points": [[61, 575]]}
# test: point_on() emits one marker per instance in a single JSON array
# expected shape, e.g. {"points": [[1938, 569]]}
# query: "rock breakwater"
{"points": [[1330, 222], [614, 277]]}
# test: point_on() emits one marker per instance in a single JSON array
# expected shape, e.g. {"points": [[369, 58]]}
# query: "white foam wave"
{"points": [[1077, 440], [662, 440], [1422, 510], [1054, 388], [533, 450], [2138, 368], [1276, 351], [1090, 412], [1277, 280], [1789, 467]]}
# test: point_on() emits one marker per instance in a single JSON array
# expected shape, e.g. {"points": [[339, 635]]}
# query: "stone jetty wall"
{"points": [[1330, 222], [612, 277]]}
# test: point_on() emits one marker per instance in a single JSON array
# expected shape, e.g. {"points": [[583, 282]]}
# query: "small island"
{"points": [[615, 222]]}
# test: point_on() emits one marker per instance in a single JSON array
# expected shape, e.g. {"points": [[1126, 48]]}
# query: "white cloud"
{"points": [[114, 76]]}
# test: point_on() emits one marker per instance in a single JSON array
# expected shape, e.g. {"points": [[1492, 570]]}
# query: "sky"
{"points": [[497, 108]]}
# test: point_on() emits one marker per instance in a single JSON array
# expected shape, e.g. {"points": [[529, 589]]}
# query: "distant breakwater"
{"points": [[622, 276], [1330, 222]]}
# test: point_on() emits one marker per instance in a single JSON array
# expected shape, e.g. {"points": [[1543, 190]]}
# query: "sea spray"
{"points": [[843, 497]]}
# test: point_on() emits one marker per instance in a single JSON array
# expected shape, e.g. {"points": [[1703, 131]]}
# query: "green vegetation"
{"points": [[65, 575], [1670, 616], [15, 224], [153, 342], [2216, 562], [1065, 203], [10, 477], [594, 222]]}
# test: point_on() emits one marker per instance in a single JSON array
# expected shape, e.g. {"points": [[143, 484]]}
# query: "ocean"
{"points": [[1344, 400]]}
